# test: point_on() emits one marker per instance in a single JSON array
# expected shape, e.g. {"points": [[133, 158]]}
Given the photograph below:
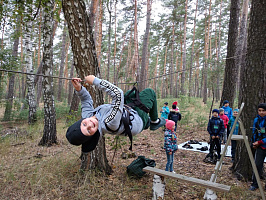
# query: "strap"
{"points": [[126, 121], [136, 101]]}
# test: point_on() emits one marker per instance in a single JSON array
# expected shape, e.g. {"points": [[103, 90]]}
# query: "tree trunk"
{"points": [[183, 92], [10, 94], [242, 37], [98, 32], [115, 78], [192, 52], [206, 56], [109, 40], [32, 118], [62, 62], [135, 60], [49, 131], [172, 60], [144, 56], [70, 86], [93, 9], [163, 86], [253, 79], [229, 85], [85, 62]]}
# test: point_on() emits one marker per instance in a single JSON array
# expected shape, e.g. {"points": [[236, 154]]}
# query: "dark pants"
{"points": [[259, 160], [148, 98], [233, 148], [217, 142]]}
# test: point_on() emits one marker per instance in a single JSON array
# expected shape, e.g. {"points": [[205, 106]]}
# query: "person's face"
{"points": [[262, 112], [164, 105], [215, 114], [227, 104], [89, 126], [221, 112], [235, 113]]}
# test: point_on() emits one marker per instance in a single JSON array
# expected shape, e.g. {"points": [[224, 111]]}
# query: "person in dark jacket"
{"points": [[259, 142], [174, 115], [216, 130]]}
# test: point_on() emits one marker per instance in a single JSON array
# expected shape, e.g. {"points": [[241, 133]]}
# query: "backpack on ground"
{"points": [[135, 168]]}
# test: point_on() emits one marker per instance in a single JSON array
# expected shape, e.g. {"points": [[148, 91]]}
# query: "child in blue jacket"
{"points": [[228, 112], [259, 142], [170, 144], [165, 111], [215, 129], [230, 124]]}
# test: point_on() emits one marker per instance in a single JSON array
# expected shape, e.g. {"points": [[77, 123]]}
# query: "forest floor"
{"points": [[29, 171]]}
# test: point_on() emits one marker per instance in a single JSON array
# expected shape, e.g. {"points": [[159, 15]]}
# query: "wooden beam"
{"points": [[238, 137], [196, 181]]}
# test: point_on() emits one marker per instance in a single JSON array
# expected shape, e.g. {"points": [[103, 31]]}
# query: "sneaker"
{"points": [[173, 172], [252, 188], [155, 126]]}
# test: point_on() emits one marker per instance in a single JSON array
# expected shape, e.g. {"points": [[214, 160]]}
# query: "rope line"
{"points": [[28, 73], [129, 83]]}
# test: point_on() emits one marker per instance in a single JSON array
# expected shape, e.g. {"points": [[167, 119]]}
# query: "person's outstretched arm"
{"points": [[84, 95], [112, 120]]}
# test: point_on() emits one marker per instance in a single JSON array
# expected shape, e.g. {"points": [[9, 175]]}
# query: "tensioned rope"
{"points": [[28, 73], [129, 83], [59, 77]]}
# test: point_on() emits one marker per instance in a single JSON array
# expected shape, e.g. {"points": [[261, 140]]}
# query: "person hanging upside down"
{"points": [[116, 118]]}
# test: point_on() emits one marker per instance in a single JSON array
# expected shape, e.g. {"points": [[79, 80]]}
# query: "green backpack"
{"points": [[135, 168]]}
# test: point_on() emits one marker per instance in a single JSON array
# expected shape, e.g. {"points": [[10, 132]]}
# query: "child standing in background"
{"points": [[228, 112], [259, 143], [174, 115], [215, 129], [226, 120], [170, 144], [230, 124], [165, 111]]}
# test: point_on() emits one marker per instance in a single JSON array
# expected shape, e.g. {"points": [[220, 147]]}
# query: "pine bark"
{"points": [[253, 79], [183, 92], [229, 85], [85, 62], [98, 32], [49, 131], [241, 43], [219, 52], [62, 62], [172, 61], [135, 60], [192, 52], [144, 57], [206, 56]]}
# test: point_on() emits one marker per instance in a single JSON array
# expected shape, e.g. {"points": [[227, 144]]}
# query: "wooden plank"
{"points": [[196, 181], [238, 137], [217, 165]]}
